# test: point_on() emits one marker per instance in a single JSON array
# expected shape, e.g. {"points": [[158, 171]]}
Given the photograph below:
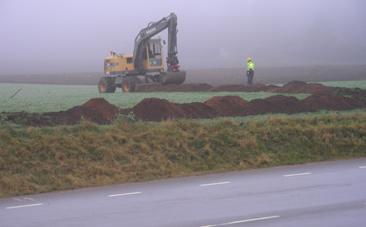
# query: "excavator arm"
{"points": [[152, 29]]}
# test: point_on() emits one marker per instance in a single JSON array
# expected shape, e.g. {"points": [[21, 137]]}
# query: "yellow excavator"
{"points": [[146, 63]]}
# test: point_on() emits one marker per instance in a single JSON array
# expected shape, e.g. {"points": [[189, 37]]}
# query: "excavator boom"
{"points": [[151, 30]]}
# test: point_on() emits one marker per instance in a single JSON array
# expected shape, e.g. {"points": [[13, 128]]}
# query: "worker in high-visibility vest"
{"points": [[250, 70]]}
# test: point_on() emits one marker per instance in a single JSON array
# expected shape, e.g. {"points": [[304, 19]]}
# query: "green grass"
{"points": [[348, 84], [36, 160], [46, 98]]}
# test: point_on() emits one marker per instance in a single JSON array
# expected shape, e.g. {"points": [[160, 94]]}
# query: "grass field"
{"points": [[45, 98], [349, 84]]}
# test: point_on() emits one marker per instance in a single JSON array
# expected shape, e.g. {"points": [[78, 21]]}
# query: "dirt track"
{"points": [[100, 111]]}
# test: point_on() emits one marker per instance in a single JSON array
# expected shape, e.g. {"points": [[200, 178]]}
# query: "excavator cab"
{"points": [[153, 64], [154, 55], [153, 60]]}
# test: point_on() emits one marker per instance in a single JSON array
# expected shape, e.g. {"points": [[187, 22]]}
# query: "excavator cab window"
{"points": [[157, 49], [154, 52]]}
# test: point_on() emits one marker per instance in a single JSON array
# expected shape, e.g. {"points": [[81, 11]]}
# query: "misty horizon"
{"points": [[75, 36]]}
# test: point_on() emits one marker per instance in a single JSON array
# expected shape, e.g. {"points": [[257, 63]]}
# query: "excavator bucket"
{"points": [[173, 77]]}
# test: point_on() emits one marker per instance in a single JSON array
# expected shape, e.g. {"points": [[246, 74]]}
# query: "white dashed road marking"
{"points": [[216, 183], [24, 206], [362, 167], [125, 194], [297, 174], [242, 221]]}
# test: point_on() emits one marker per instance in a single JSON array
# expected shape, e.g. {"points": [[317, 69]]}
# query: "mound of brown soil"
{"points": [[227, 105], [291, 87], [302, 87], [97, 110], [356, 93], [330, 102], [274, 104], [154, 109], [197, 110], [173, 87], [239, 87]]}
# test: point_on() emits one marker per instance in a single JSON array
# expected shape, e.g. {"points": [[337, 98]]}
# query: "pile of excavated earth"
{"points": [[100, 111], [292, 87]]}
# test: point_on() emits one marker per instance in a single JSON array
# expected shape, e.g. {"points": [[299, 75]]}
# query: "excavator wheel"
{"points": [[107, 85], [128, 84]]}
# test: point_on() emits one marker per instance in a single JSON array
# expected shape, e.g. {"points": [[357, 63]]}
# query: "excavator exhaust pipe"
{"points": [[173, 77]]}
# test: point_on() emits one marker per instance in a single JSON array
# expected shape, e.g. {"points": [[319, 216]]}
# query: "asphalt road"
{"points": [[318, 194]]}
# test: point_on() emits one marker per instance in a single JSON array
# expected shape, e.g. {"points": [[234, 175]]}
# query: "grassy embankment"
{"points": [[45, 159]]}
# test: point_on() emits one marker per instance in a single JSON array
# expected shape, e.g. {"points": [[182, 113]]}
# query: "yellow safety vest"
{"points": [[250, 65]]}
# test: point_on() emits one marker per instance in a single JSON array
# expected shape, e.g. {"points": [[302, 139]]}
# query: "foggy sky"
{"points": [[63, 36]]}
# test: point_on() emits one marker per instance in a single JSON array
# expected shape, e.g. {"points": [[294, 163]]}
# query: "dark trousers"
{"points": [[250, 75]]}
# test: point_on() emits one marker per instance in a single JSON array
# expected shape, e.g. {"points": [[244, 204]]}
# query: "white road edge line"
{"points": [[297, 174], [216, 183], [362, 167], [124, 194], [23, 206], [243, 221]]}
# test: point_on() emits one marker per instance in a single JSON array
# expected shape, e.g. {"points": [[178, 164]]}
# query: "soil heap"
{"points": [[291, 87], [154, 109], [227, 105], [330, 102], [274, 104], [301, 87], [96, 110], [239, 87]]}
